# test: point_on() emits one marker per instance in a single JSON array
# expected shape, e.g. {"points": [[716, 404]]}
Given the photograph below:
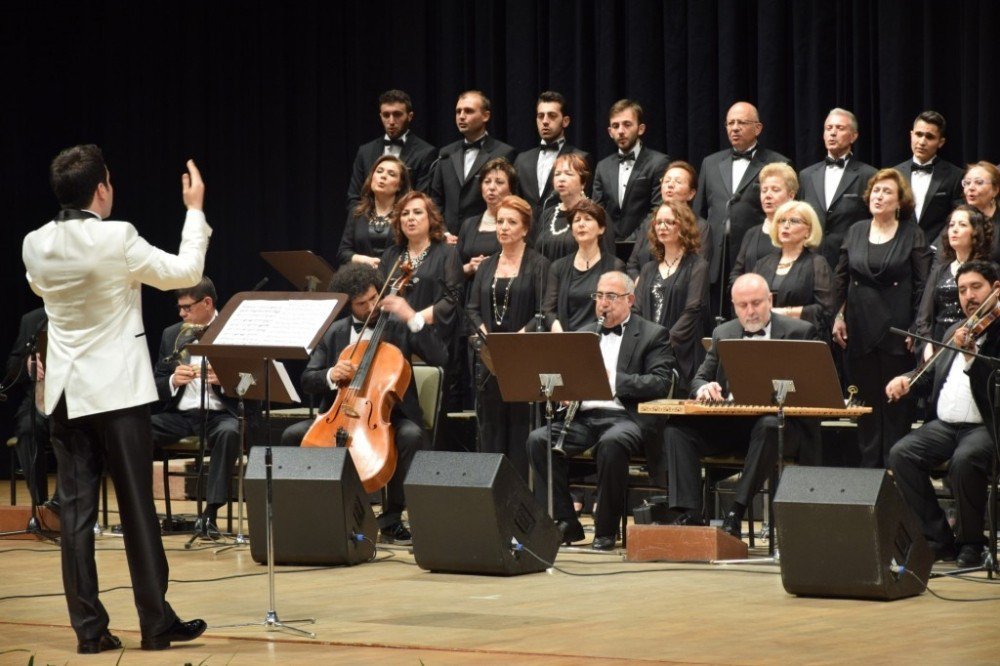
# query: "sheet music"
{"points": [[287, 323]]}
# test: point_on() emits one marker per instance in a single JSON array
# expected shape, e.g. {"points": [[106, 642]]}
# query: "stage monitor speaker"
{"points": [[841, 533], [465, 511], [319, 504]]}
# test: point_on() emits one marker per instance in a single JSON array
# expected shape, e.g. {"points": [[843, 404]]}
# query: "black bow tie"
{"points": [[473, 145], [393, 142], [549, 146], [838, 162], [745, 155], [748, 334], [926, 168], [627, 157], [617, 330], [357, 326]]}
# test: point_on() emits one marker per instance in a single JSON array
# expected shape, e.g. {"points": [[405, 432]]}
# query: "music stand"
{"points": [[259, 327], [784, 373], [305, 270], [549, 367]]}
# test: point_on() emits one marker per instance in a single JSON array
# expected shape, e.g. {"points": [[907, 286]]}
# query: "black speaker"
{"points": [[469, 510], [320, 507], [843, 533]]}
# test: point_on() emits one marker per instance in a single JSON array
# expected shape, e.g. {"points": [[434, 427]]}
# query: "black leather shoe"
{"points": [[570, 531], [396, 534], [177, 633], [970, 555], [106, 642], [53, 506], [603, 543], [689, 519], [731, 525]]}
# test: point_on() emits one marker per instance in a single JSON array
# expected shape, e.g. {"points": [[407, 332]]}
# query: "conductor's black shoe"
{"points": [[106, 642], [603, 543], [177, 633], [732, 525], [689, 518], [396, 534], [569, 531], [970, 555]]}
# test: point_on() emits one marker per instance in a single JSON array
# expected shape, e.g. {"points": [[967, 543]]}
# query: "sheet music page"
{"points": [[287, 323]]}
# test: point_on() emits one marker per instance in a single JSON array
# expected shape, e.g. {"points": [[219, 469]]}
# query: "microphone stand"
{"points": [[199, 486]]}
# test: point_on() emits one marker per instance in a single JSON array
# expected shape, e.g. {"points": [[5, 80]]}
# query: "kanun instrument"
{"points": [[727, 408]]}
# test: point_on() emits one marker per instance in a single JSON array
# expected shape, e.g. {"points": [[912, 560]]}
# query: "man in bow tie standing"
{"points": [[688, 438]]}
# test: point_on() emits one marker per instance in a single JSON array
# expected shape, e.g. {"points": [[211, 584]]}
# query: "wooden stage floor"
{"points": [[594, 609]]}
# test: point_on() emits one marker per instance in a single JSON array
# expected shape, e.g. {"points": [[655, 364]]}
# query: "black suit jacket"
{"points": [[165, 368], [717, 200], [642, 193], [459, 197], [782, 328], [426, 343], [31, 324], [531, 190], [847, 207], [417, 154], [943, 194]]}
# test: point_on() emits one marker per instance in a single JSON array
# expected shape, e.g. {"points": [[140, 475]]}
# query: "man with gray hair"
{"points": [[835, 186]]}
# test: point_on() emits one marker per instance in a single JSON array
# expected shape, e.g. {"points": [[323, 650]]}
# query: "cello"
{"points": [[359, 417]]}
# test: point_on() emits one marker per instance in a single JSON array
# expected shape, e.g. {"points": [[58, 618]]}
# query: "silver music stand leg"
{"points": [[547, 385], [240, 539]]}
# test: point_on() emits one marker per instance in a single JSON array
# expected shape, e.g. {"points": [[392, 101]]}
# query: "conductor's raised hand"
{"points": [[193, 187]]}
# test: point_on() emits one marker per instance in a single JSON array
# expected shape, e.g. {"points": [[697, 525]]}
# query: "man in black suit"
{"points": [[179, 383], [835, 187], [534, 167], [936, 183], [326, 372], [396, 113], [959, 432], [627, 183], [728, 191], [687, 439], [640, 367], [455, 178]]}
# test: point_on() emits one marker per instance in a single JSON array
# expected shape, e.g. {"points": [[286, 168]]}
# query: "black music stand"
{"points": [[257, 328], [783, 373], [549, 367], [305, 270]]}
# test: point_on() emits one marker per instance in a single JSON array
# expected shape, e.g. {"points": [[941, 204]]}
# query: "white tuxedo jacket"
{"points": [[90, 274]]}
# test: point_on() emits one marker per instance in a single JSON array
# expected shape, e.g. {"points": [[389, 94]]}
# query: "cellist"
{"points": [[325, 372]]}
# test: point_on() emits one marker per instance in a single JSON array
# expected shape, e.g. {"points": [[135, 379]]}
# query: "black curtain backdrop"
{"points": [[273, 99]]}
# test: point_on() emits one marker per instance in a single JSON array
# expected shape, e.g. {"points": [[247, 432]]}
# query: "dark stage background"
{"points": [[272, 99]]}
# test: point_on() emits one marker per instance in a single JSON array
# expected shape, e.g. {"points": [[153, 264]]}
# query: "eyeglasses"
{"points": [[735, 122], [186, 307], [791, 221], [663, 224], [609, 296], [978, 182]]}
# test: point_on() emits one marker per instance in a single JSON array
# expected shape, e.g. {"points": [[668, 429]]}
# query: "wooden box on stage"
{"points": [[673, 543]]}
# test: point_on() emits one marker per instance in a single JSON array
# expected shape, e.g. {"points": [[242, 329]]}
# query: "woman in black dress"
{"points": [[800, 278], [368, 230], [672, 289], [506, 297], [981, 186], [880, 275], [967, 236], [567, 304], [551, 236], [477, 239], [679, 183], [778, 184]]}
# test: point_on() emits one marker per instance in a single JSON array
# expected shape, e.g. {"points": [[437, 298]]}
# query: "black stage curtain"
{"points": [[273, 99]]}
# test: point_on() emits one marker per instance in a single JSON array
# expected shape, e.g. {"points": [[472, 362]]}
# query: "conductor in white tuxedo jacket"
{"points": [[99, 383]]}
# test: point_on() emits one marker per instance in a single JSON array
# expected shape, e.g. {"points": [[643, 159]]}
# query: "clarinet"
{"points": [[570, 413]]}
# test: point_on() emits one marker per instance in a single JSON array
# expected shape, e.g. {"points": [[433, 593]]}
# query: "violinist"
{"points": [[960, 430], [326, 372]]}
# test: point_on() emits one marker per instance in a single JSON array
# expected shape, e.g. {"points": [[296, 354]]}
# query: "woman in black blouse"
{"points": [[672, 289], [967, 236], [551, 236], [477, 238], [981, 186], [567, 304], [800, 278], [778, 184], [880, 275], [368, 230], [506, 297]]}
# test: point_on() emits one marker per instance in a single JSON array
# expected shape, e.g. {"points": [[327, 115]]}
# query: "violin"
{"points": [[359, 417]]}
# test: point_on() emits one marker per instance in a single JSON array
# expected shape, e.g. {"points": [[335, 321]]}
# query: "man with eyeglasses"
{"points": [[936, 183], [687, 439], [640, 367], [728, 191], [835, 186], [178, 383]]}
